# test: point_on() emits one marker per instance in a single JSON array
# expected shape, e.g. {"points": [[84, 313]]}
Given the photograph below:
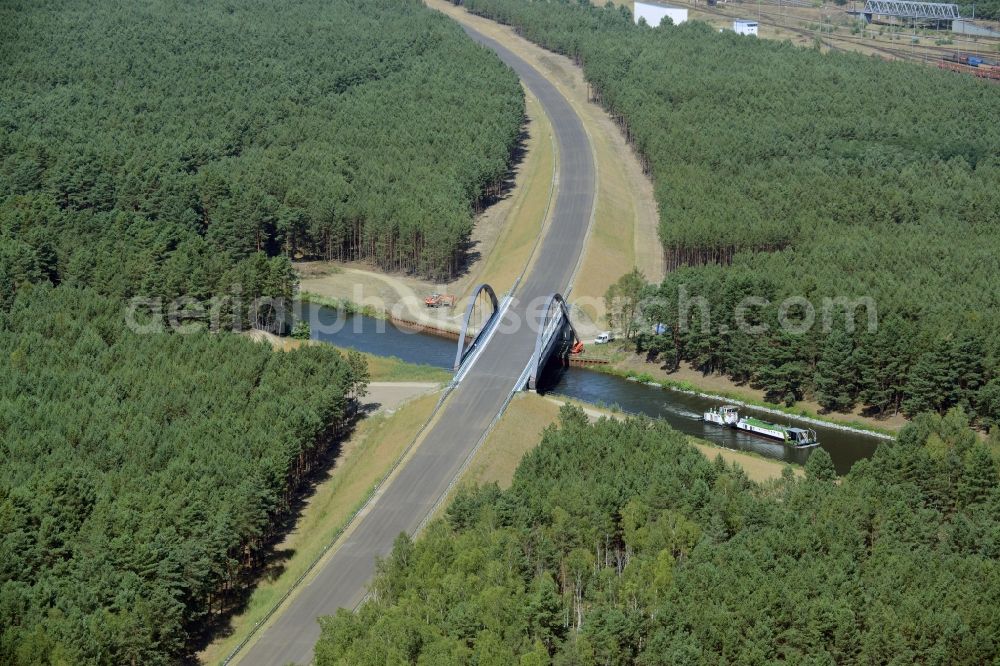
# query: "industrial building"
{"points": [[653, 13], [745, 27]]}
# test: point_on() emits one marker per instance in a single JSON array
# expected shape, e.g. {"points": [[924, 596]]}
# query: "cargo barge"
{"points": [[728, 416]]}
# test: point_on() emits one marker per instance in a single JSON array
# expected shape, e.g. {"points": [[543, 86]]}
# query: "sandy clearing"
{"points": [[388, 396], [396, 295]]}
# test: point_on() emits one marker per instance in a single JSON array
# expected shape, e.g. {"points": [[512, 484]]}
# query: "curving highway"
{"points": [[404, 502]]}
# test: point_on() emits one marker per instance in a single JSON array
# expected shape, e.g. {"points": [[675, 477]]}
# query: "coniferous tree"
{"points": [[623, 560], [820, 466], [980, 479], [927, 386], [781, 372], [836, 373]]}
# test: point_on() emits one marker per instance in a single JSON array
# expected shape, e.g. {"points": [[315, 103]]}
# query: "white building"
{"points": [[654, 13], [745, 27]]}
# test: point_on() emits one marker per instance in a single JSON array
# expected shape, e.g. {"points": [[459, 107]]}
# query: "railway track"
{"points": [[939, 59], [834, 42]]}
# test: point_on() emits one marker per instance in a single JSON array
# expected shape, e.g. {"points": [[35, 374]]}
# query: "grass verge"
{"points": [[392, 369], [366, 457], [610, 250], [518, 431], [757, 467], [342, 304]]}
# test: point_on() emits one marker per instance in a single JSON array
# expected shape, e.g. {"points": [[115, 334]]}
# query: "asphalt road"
{"points": [[406, 500]]}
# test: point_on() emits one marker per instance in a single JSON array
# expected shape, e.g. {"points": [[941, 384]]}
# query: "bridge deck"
{"points": [[407, 499]]}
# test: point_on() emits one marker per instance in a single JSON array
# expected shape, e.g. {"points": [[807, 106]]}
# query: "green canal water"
{"points": [[680, 410]]}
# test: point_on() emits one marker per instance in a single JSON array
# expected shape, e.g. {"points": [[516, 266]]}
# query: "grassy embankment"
{"points": [[392, 369], [343, 304], [528, 212], [363, 461]]}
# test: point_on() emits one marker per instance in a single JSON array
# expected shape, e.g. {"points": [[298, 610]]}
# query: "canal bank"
{"points": [[689, 378], [681, 409]]}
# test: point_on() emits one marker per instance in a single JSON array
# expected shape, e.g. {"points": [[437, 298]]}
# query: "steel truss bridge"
{"points": [[915, 10]]}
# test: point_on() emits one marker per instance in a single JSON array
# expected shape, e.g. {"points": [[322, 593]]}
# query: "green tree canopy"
{"points": [[619, 543], [143, 475]]}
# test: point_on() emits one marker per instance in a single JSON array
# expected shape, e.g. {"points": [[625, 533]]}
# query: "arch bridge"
{"points": [[464, 350], [555, 339]]}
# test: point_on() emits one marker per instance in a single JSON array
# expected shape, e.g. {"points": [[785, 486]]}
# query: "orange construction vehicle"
{"points": [[440, 301]]}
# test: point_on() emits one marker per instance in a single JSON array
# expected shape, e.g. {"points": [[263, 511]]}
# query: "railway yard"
{"points": [[831, 28]]}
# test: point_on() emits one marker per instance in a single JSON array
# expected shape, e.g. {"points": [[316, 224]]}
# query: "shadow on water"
{"points": [[680, 410]]}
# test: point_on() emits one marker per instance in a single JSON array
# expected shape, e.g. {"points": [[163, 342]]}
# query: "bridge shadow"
{"points": [[550, 375]]}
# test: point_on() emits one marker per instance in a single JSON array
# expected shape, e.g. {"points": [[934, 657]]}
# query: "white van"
{"points": [[604, 338]]}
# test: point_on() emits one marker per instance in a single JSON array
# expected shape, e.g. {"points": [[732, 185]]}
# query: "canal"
{"points": [[680, 410]]}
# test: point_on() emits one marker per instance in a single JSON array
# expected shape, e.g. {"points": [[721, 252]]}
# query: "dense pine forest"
{"points": [[142, 474], [162, 150], [148, 147], [782, 171], [618, 543]]}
